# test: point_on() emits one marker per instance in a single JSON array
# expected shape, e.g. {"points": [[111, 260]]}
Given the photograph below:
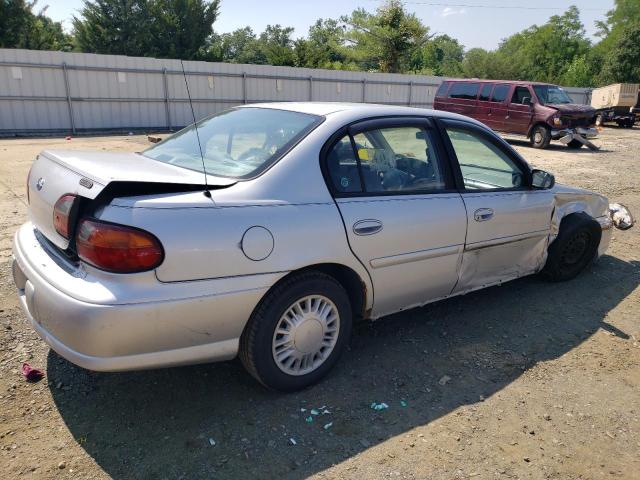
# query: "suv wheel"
{"points": [[540, 136], [297, 332], [574, 248]]}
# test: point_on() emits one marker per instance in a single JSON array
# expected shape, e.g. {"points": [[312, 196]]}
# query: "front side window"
{"points": [[399, 159], [500, 93], [521, 96], [484, 166], [238, 143], [464, 91]]}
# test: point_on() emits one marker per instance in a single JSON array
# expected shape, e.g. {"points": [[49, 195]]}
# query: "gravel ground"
{"points": [[529, 380]]}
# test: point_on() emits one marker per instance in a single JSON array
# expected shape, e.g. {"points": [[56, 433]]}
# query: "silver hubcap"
{"points": [[538, 137], [305, 335]]}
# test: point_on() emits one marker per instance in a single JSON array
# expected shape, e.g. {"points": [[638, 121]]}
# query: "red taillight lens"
{"points": [[61, 214], [117, 248]]}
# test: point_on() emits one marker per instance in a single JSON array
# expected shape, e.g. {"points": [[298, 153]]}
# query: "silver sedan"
{"points": [[266, 230]]}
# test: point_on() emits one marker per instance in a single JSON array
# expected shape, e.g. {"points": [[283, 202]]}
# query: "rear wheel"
{"points": [[297, 333], [540, 137], [574, 248], [575, 144], [599, 120]]}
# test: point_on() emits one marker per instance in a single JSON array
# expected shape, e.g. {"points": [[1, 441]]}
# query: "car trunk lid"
{"points": [[87, 174]]}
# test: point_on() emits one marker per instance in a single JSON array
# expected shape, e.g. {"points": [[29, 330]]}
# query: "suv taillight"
{"points": [[117, 248], [62, 214]]}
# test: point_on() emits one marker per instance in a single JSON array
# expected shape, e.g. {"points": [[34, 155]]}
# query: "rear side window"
{"points": [[464, 91], [442, 89], [389, 160], [343, 167], [500, 93], [485, 93]]}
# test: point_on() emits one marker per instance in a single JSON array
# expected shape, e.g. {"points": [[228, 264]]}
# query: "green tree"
{"points": [[579, 73], [543, 53], [324, 46], [622, 65], [162, 28], [180, 28], [441, 55], [386, 40], [276, 45], [239, 46], [21, 28]]}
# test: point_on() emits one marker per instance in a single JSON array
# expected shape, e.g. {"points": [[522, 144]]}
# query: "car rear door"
{"points": [[508, 222], [520, 113], [403, 217], [462, 98]]}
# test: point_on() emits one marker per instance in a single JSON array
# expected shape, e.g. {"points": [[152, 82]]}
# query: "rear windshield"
{"points": [[237, 143], [551, 94], [467, 91]]}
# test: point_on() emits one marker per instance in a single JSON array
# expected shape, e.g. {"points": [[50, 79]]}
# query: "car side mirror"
{"points": [[542, 180]]}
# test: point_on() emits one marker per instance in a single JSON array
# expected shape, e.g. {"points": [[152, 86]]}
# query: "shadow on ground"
{"points": [[157, 424], [557, 146]]}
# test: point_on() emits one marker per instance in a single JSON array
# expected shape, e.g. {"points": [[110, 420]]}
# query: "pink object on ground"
{"points": [[31, 374]]}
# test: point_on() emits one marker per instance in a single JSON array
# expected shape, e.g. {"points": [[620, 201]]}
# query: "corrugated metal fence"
{"points": [[42, 91]]}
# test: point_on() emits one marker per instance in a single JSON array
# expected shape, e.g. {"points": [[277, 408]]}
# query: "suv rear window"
{"points": [[500, 92], [464, 91]]}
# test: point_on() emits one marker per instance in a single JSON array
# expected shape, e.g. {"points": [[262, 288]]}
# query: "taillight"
{"points": [[62, 214], [117, 248]]}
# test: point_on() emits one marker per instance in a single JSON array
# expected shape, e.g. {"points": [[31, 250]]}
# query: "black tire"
{"points": [[256, 340], [540, 136], [575, 247], [575, 144]]}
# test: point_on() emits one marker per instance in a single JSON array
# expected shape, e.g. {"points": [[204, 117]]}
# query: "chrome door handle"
{"points": [[483, 214], [367, 227]]}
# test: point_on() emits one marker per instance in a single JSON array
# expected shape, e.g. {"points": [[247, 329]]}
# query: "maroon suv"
{"points": [[541, 111]]}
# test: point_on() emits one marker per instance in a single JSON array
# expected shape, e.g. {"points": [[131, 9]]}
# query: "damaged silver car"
{"points": [[266, 230]]}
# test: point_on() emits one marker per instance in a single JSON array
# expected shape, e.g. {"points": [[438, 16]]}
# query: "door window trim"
{"points": [[375, 123], [492, 138]]}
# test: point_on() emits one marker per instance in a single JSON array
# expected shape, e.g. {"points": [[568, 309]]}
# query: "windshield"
{"points": [[237, 143], [551, 94]]}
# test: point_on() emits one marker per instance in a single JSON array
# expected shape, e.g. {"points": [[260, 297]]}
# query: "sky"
{"points": [[470, 21]]}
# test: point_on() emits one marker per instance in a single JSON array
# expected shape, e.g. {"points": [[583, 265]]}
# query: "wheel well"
{"points": [[356, 289], [542, 124]]}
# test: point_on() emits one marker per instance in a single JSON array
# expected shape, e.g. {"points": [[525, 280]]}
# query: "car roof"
{"points": [[357, 110], [510, 82]]}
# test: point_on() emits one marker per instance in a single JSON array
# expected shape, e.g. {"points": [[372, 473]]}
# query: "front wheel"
{"points": [[297, 332], [540, 137], [574, 248]]}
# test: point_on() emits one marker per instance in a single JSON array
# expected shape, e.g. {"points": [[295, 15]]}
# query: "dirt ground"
{"points": [[529, 380]]}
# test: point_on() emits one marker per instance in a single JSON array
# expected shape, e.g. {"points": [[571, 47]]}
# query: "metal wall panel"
{"points": [[43, 91]]}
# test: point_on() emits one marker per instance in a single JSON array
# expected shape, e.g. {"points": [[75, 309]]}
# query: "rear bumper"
{"points": [[132, 335]]}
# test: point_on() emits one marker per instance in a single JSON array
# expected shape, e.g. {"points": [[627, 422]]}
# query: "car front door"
{"points": [[403, 217], [508, 221], [520, 112]]}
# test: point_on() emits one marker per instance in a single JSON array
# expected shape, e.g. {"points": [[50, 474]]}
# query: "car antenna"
{"points": [[207, 193]]}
